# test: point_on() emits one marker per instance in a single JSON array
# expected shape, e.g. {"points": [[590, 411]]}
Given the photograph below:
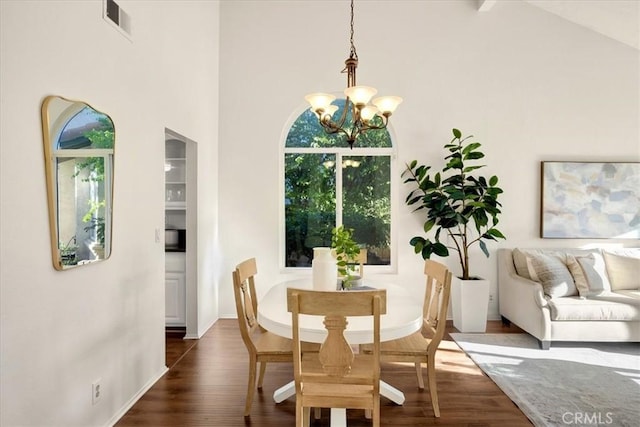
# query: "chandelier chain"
{"points": [[352, 53]]}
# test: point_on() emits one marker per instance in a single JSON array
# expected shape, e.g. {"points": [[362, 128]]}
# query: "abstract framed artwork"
{"points": [[590, 200]]}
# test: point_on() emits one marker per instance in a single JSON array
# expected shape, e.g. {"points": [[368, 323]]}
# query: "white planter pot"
{"points": [[469, 304], [324, 270]]}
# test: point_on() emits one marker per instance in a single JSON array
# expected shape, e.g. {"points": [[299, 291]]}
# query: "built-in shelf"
{"points": [[175, 167]]}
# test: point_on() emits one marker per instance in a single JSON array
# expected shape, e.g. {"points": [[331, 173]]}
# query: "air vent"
{"points": [[118, 18]]}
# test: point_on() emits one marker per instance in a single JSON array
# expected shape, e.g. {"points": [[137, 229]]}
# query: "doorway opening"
{"points": [[180, 166]]}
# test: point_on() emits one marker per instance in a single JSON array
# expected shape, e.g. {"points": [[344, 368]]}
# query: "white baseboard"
{"points": [[191, 337], [136, 397], [197, 336]]}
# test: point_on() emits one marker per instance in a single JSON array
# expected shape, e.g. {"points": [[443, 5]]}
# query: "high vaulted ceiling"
{"points": [[617, 19]]}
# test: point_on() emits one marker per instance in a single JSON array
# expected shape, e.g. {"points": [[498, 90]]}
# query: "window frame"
{"points": [[339, 152]]}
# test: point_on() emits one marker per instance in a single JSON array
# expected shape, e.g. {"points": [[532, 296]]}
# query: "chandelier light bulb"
{"points": [[387, 104], [368, 112], [320, 101], [360, 95], [328, 112]]}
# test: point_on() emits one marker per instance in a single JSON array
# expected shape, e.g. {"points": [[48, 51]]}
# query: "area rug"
{"points": [[578, 384]]}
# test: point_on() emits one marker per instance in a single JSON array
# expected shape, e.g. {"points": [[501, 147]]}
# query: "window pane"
{"points": [[307, 132], [310, 209], [87, 129], [81, 208], [366, 205]]}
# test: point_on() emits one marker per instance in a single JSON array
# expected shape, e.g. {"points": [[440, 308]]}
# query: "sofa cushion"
{"points": [[579, 278], [522, 260], [623, 268], [606, 306], [553, 274], [632, 293], [589, 273]]}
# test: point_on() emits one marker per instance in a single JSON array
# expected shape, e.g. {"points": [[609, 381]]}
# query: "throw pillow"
{"points": [[579, 278], [553, 274], [520, 262], [624, 271], [595, 271]]}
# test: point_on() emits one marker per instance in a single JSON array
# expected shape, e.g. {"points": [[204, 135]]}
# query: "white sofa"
{"points": [[571, 294]]}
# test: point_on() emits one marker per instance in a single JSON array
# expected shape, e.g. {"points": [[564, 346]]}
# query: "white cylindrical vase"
{"points": [[325, 270]]}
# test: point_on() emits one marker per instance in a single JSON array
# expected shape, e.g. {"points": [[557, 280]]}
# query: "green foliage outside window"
{"points": [[102, 137], [99, 138]]}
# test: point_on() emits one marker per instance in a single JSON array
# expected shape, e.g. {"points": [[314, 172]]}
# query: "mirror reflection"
{"points": [[79, 146]]}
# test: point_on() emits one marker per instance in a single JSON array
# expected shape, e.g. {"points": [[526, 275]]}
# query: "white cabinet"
{"points": [[175, 289]]}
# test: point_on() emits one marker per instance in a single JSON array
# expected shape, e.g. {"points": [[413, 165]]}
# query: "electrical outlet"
{"points": [[96, 391], [490, 297]]}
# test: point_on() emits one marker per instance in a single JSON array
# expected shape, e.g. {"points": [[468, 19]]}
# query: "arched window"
{"points": [[83, 155], [327, 184]]}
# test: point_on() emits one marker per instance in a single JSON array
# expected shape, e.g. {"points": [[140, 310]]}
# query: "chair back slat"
{"points": [[360, 260], [437, 295], [246, 302], [335, 355]]}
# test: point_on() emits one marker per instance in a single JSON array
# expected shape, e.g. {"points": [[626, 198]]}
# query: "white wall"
{"points": [[60, 331], [528, 84]]}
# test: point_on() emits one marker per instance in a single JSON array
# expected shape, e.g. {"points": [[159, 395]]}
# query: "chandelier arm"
{"points": [[345, 112], [362, 127], [331, 126], [368, 126], [331, 129], [349, 108]]}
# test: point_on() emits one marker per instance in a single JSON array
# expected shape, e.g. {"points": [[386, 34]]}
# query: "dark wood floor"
{"points": [[206, 386]]}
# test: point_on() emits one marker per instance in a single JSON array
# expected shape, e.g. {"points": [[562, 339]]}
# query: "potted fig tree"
{"points": [[462, 208], [346, 250]]}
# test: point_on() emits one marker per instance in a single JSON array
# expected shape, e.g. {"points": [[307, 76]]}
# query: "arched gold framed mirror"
{"points": [[79, 146]]}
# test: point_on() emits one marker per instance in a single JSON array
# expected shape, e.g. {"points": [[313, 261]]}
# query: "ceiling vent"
{"points": [[118, 18]]}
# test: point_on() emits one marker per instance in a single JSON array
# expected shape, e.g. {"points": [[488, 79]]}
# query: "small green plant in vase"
{"points": [[346, 250]]}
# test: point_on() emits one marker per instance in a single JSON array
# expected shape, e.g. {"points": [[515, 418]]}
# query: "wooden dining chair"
{"points": [[263, 346], [335, 377], [417, 348], [360, 261]]}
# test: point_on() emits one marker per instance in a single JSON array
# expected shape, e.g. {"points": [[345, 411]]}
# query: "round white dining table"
{"points": [[403, 317]]}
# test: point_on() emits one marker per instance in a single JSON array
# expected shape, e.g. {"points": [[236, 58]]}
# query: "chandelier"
{"points": [[357, 115]]}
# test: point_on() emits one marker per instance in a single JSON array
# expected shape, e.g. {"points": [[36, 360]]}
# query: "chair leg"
{"points": [[376, 412], [263, 367], [419, 375], [299, 420], [433, 390], [306, 416], [368, 414], [317, 413], [251, 386]]}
